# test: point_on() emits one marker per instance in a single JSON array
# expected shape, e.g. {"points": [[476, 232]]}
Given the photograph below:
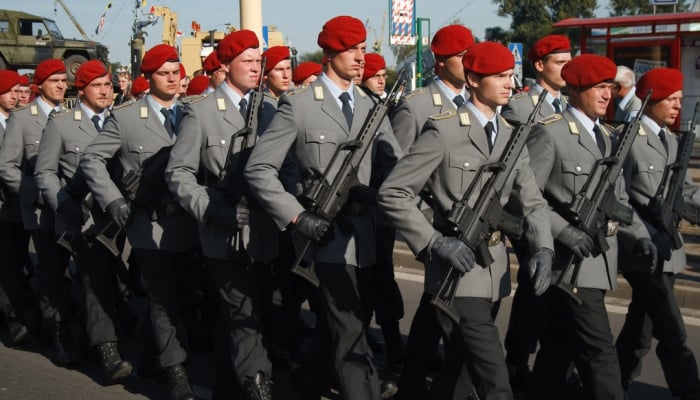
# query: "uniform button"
{"points": [[466, 165], [77, 148], [140, 147], [651, 168], [578, 168], [36, 142], [322, 137], [223, 141]]}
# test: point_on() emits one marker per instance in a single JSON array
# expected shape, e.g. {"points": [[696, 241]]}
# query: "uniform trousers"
{"points": [[165, 280], [12, 254], [654, 312], [55, 298], [239, 285], [98, 275], [339, 350], [578, 333]]}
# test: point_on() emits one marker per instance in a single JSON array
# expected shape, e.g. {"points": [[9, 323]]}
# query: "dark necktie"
{"points": [[347, 110], [52, 112], [662, 137], [168, 123], [600, 139], [459, 100], [557, 106], [243, 108], [488, 128], [96, 121]]}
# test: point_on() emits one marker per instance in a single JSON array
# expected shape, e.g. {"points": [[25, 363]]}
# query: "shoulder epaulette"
{"points": [[445, 115], [62, 113], [270, 95], [128, 103], [550, 119], [612, 125], [21, 108], [415, 92], [194, 98], [298, 90], [518, 95], [361, 91]]}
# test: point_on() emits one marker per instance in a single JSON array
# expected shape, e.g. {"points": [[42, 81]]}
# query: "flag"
{"points": [[178, 33], [101, 25], [402, 22]]}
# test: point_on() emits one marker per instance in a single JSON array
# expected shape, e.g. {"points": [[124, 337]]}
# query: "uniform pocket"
{"points": [[141, 151], [72, 151], [319, 149], [575, 175], [461, 172]]}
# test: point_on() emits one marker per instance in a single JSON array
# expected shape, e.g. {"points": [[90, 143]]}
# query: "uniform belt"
{"points": [[441, 224]]}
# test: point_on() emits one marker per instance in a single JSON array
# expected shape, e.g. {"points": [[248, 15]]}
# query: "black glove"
{"points": [[314, 227], [540, 268], [120, 211], [663, 245], [453, 252], [72, 213], [646, 247], [577, 241]]}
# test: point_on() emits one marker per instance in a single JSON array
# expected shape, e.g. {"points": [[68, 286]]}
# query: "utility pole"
{"points": [[419, 50]]}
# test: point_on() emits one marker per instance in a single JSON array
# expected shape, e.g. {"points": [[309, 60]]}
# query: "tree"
{"points": [[315, 57], [636, 7]]}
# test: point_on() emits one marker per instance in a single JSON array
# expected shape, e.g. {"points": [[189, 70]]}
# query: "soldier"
{"points": [[224, 213], [24, 92], [278, 70], [11, 232], [139, 87], [548, 56], [212, 67], [654, 312], [65, 136], [626, 103], [488, 67], [311, 122], [197, 85], [446, 92], [17, 158], [563, 150], [374, 75], [184, 82], [140, 134], [306, 72]]}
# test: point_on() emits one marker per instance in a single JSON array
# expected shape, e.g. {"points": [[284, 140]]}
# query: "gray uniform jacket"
{"points": [[202, 145], [9, 207], [520, 106], [17, 157], [643, 172], [562, 155], [409, 116], [447, 157], [133, 133], [65, 137], [309, 122]]}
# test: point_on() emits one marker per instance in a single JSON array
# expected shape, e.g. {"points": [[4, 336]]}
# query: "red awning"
{"points": [[631, 20]]}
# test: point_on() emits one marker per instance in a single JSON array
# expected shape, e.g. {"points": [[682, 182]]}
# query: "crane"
{"points": [[377, 45], [72, 18]]}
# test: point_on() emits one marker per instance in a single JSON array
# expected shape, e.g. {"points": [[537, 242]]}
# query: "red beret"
{"points": [[236, 43], [198, 85], [211, 63], [24, 80], [157, 56], [488, 58], [8, 80], [662, 81], [451, 40], [139, 85], [548, 45], [47, 68], [88, 72], [373, 63], [305, 70], [183, 71], [274, 55], [341, 33], [588, 70]]}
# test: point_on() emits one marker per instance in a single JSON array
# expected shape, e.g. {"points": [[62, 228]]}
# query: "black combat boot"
{"points": [[113, 367], [18, 331], [64, 351], [258, 387], [180, 388]]}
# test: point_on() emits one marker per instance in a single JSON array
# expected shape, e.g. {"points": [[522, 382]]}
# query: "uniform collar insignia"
{"points": [[318, 92], [535, 98], [437, 99], [220, 104], [144, 112], [34, 110], [464, 119], [77, 115], [573, 128], [642, 132]]}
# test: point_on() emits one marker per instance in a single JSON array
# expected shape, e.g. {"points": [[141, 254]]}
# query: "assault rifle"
{"points": [[327, 195], [249, 133], [667, 207], [596, 204], [141, 188], [474, 225]]}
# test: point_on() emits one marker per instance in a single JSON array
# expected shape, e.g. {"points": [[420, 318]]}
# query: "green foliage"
{"points": [[637, 7], [315, 57]]}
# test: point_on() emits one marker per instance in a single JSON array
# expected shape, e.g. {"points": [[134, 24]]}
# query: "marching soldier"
{"points": [[278, 70], [139, 134], [212, 67], [306, 72], [17, 159], [563, 150], [11, 231], [24, 92], [232, 232], [66, 135], [548, 56], [446, 92], [311, 122], [374, 75], [443, 160], [653, 311]]}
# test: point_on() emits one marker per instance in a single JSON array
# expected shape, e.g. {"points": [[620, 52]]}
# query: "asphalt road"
{"points": [[28, 373]]}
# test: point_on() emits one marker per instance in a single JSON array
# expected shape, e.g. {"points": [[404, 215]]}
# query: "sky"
{"points": [[298, 20]]}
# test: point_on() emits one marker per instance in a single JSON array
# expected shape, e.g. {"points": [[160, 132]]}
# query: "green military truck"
{"points": [[26, 40]]}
